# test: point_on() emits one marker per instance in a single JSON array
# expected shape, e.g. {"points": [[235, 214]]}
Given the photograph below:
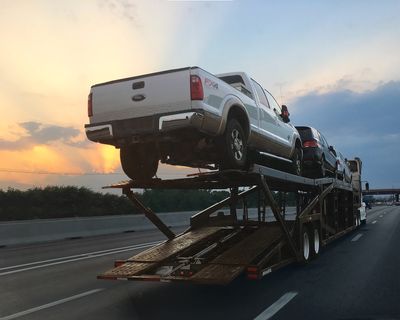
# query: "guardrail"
{"points": [[41, 230]]}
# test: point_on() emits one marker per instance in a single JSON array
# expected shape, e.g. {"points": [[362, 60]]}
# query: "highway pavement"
{"points": [[355, 277]]}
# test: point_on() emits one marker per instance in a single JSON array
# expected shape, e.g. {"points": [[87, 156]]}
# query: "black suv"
{"points": [[318, 156]]}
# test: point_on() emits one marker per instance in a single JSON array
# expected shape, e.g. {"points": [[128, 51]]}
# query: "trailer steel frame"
{"points": [[217, 248]]}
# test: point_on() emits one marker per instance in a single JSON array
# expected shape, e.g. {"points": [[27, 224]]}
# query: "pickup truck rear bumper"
{"points": [[120, 132]]}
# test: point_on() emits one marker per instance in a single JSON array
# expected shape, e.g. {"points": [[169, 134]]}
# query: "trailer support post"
{"points": [[313, 203], [149, 214], [233, 203], [201, 217], [276, 211]]}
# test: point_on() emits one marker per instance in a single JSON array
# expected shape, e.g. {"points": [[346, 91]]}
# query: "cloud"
{"points": [[122, 8], [364, 124], [37, 133], [374, 111]]}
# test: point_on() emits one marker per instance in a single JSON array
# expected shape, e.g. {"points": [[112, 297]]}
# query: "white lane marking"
{"points": [[373, 222], [381, 216], [358, 236], [276, 306], [71, 260], [79, 255], [51, 304]]}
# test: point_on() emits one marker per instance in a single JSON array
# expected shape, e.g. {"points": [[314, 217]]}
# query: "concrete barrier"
{"points": [[40, 230]]}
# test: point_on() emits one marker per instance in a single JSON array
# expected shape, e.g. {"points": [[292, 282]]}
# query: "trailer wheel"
{"points": [[306, 245], [316, 242], [139, 162], [235, 146]]}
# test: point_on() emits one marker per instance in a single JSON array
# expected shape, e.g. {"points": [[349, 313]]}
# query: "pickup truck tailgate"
{"points": [[141, 96]]}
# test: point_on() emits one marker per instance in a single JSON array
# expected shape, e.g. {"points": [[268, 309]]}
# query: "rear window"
{"points": [[237, 82], [306, 133], [232, 79]]}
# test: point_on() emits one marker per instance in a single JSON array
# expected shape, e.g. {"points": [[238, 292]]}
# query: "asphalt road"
{"points": [[356, 277]]}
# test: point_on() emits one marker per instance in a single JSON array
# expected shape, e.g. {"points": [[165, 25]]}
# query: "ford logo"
{"points": [[138, 97]]}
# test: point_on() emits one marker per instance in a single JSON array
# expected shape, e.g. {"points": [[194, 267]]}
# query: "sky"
{"points": [[336, 64]]}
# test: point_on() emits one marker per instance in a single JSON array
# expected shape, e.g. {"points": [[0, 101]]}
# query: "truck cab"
{"points": [[355, 166]]}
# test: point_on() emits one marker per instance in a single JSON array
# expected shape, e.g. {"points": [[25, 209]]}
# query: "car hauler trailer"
{"points": [[218, 247]]}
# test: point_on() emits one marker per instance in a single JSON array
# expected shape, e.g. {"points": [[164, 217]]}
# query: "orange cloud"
{"points": [[17, 164]]}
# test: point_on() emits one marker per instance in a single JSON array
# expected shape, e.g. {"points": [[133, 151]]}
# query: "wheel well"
{"points": [[298, 144], [240, 115]]}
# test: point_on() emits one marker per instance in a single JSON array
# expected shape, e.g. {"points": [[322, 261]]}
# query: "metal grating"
{"points": [[172, 247]]}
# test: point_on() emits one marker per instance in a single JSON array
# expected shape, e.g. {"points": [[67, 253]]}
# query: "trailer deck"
{"points": [[218, 247], [277, 180]]}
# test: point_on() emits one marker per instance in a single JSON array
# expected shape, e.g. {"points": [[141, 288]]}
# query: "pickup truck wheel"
{"points": [[235, 146], [139, 163], [297, 161]]}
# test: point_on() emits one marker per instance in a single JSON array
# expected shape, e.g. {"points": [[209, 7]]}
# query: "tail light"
{"points": [[118, 263], [196, 88], [310, 144], [90, 106]]}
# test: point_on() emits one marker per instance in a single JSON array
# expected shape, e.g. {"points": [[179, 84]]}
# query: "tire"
{"points": [[297, 159], [322, 169], [316, 242], [306, 245], [139, 163], [235, 146], [358, 222]]}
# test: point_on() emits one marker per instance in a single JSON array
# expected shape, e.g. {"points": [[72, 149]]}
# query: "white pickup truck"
{"points": [[192, 118]]}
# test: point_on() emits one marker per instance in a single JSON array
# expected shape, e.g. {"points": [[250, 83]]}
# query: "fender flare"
{"points": [[228, 103]]}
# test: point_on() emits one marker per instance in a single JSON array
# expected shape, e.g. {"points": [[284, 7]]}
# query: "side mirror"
{"points": [[285, 114]]}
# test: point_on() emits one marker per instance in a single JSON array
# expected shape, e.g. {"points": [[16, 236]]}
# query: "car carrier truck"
{"points": [[193, 118], [220, 246]]}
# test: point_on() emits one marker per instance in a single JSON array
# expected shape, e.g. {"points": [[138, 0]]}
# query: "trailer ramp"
{"points": [[154, 256], [231, 263], [212, 255]]}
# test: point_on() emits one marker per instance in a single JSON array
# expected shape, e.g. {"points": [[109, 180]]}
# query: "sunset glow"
{"points": [[53, 51]]}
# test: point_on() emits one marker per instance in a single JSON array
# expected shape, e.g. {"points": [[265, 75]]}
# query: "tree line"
{"points": [[69, 201]]}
